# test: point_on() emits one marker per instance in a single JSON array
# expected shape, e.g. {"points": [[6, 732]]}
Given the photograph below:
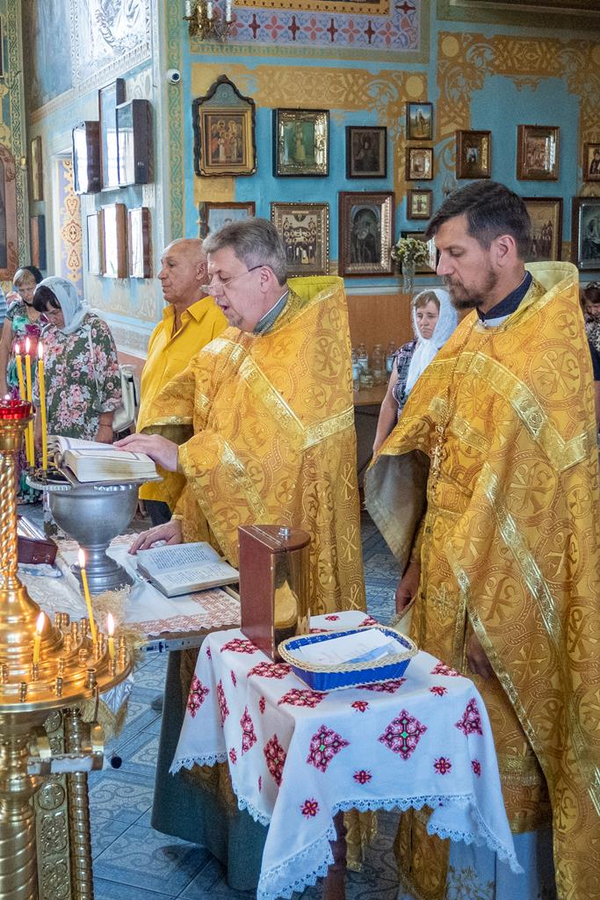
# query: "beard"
{"points": [[462, 297]]}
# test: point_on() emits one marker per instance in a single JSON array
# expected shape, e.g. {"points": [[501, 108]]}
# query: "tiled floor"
{"points": [[134, 862]]}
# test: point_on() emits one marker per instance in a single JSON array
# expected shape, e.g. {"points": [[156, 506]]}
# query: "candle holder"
{"points": [[54, 686], [206, 22]]}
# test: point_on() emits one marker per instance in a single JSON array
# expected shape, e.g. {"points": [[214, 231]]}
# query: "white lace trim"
{"points": [[188, 762], [270, 884]]}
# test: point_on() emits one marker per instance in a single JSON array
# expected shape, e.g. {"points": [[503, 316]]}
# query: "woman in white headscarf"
{"points": [[434, 320], [83, 384]]}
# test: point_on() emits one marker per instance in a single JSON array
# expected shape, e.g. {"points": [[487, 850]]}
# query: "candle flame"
{"points": [[110, 625], [81, 559], [40, 350], [40, 623], [7, 396], [27, 345], [17, 349]]}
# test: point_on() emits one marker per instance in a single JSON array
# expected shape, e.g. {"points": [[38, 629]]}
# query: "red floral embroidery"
{"points": [[233, 756], [332, 618], [208, 653], [310, 808], [403, 734], [239, 645], [439, 690], [362, 776], [319, 631], [233, 678], [275, 757], [299, 697], [384, 687], [368, 621], [270, 670], [476, 766], [197, 695], [442, 765], [324, 745], [442, 669], [260, 782], [261, 705], [360, 705], [470, 723], [223, 708], [248, 733]]}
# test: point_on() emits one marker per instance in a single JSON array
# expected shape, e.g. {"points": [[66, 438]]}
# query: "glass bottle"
{"points": [[356, 369], [389, 357], [363, 357], [378, 364]]}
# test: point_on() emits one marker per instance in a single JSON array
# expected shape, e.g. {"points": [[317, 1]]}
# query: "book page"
{"points": [[197, 575], [161, 559]]}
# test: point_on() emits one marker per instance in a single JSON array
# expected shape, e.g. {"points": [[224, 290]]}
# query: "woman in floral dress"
{"points": [[83, 384], [22, 322]]}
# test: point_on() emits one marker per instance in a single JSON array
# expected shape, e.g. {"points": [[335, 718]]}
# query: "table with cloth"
{"points": [[297, 757]]}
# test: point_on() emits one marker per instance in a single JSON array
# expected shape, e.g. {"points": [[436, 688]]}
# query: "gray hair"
{"points": [[255, 241]]}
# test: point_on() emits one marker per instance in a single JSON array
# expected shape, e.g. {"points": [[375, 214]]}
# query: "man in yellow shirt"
{"points": [[190, 320]]}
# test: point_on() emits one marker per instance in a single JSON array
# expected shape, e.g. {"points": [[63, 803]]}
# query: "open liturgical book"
{"points": [[184, 568], [93, 461]]}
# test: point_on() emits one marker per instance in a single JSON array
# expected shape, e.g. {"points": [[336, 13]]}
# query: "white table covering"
{"points": [[297, 757], [146, 607]]}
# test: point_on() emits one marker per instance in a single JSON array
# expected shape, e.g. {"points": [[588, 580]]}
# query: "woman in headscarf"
{"points": [[83, 384], [434, 320]]}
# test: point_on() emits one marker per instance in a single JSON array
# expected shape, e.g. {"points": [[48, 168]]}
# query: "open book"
{"points": [[183, 568], [92, 461]]}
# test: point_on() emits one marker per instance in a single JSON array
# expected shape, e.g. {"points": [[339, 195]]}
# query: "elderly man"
{"points": [[190, 320], [267, 436], [489, 483]]}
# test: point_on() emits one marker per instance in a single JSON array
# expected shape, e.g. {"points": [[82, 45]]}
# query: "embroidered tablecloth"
{"points": [[297, 757]]}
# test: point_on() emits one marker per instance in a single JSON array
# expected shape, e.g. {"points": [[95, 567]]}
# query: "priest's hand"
{"points": [[408, 586], [158, 448], [479, 664], [170, 533]]}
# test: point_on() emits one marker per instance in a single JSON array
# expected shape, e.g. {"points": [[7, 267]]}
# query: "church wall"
{"points": [[363, 62]]}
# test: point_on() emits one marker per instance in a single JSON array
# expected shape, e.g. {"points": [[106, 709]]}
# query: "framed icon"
{"points": [[224, 142], [419, 204], [585, 233], [366, 222], [114, 242], [37, 169], [366, 151], [109, 98], [473, 154], [301, 142], [537, 152], [212, 216], [591, 162], [86, 158], [304, 228], [138, 242], [546, 227], [419, 121], [419, 163]]}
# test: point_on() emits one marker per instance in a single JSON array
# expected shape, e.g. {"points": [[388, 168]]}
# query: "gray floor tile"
{"points": [[147, 859], [124, 795], [113, 890]]}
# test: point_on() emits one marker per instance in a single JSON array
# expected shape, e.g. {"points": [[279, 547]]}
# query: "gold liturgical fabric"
{"points": [[509, 548], [273, 438]]}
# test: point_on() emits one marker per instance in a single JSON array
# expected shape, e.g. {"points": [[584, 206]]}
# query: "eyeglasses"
{"points": [[225, 282], [52, 313]]}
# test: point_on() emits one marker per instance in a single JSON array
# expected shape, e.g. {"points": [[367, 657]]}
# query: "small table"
{"points": [[297, 758]]}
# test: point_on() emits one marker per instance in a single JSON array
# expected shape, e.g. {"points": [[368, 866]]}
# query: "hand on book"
{"points": [[158, 448], [170, 532]]}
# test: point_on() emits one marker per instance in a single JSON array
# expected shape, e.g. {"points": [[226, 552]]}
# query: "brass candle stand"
{"points": [[44, 692]]}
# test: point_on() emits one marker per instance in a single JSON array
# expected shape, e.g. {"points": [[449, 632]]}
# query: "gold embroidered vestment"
{"points": [[273, 438], [509, 548]]}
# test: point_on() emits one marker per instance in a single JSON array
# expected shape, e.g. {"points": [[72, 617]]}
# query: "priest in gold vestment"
{"points": [[487, 492], [261, 424]]}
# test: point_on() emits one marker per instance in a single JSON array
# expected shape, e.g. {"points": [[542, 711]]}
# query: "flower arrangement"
{"points": [[410, 251]]}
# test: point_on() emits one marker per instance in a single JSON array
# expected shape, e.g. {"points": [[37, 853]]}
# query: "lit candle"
{"points": [[110, 628], [86, 594], [29, 444], [188, 9], [228, 11], [42, 390], [19, 362], [37, 641], [209, 10]]}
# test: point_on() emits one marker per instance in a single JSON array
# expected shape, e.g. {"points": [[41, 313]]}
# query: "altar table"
{"points": [[297, 758]]}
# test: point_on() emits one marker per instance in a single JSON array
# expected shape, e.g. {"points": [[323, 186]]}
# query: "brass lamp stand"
{"points": [[42, 671]]}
